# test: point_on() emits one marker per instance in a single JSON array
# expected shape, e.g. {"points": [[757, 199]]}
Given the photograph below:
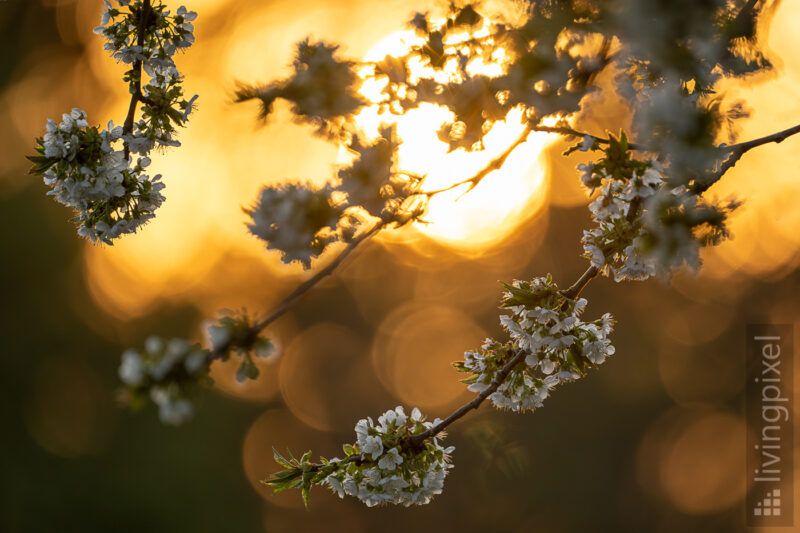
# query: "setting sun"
{"points": [[461, 218]]}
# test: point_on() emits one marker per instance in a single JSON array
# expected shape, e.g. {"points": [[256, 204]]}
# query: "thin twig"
{"points": [[499, 378], [495, 164], [734, 151], [576, 288], [304, 287], [136, 77], [564, 130], [737, 151], [288, 302]]}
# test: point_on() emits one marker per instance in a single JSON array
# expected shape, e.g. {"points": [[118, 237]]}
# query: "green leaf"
{"points": [[304, 461], [280, 459], [284, 476], [247, 370], [263, 347]]}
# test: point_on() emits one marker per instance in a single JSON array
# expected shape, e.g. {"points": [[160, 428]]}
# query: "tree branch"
{"points": [[502, 374], [495, 164], [307, 285], [417, 440], [563, 130], [136, 77], [289, 301], [737, 151], [576, 288]]}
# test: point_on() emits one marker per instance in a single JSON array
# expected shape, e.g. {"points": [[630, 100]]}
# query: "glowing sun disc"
{"points": [[499, 203]]}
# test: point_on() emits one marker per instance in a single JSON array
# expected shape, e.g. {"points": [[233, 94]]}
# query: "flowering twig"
{"points": [[736, 151], [517, 358], [571, 132], [289, 301], [110, 190], [136, 90]]}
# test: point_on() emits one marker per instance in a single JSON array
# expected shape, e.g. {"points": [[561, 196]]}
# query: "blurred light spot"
{"points": [[500, 202], [693, 324], [277, 428], [338, 516], [713, 284], [326, 379], [695, 461], [413, 349]]}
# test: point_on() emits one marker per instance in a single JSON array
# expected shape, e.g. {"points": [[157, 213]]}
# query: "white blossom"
{"points": [[372, 446], [164, 372], [388, 471], [390, 460], [131, 370], [296, 220], [111, 194], [556, 343], [173, 409]]}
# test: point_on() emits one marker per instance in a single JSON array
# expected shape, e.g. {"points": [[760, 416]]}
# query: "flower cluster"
{"points": [[236, 333], [111, 196], [322, 90], [614, 244], [147, 37], [295, 219], [383, 466], [372, 182], [84, 165], [387, 470], [165, 372], [644, 226], [301, 221], [559, 346]]}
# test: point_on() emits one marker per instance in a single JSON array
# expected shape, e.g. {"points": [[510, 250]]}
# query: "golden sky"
{"points": [[226, 155]]}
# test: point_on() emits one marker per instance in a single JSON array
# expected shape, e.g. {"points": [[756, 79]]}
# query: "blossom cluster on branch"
{"points": [[301, 221], [645, 225], [91, 169], [169, 373], [165, 372], [558, 346], [382, 466]]}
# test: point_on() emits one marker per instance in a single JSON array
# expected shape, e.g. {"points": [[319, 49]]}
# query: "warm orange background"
{"points": [[660, 424]]}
